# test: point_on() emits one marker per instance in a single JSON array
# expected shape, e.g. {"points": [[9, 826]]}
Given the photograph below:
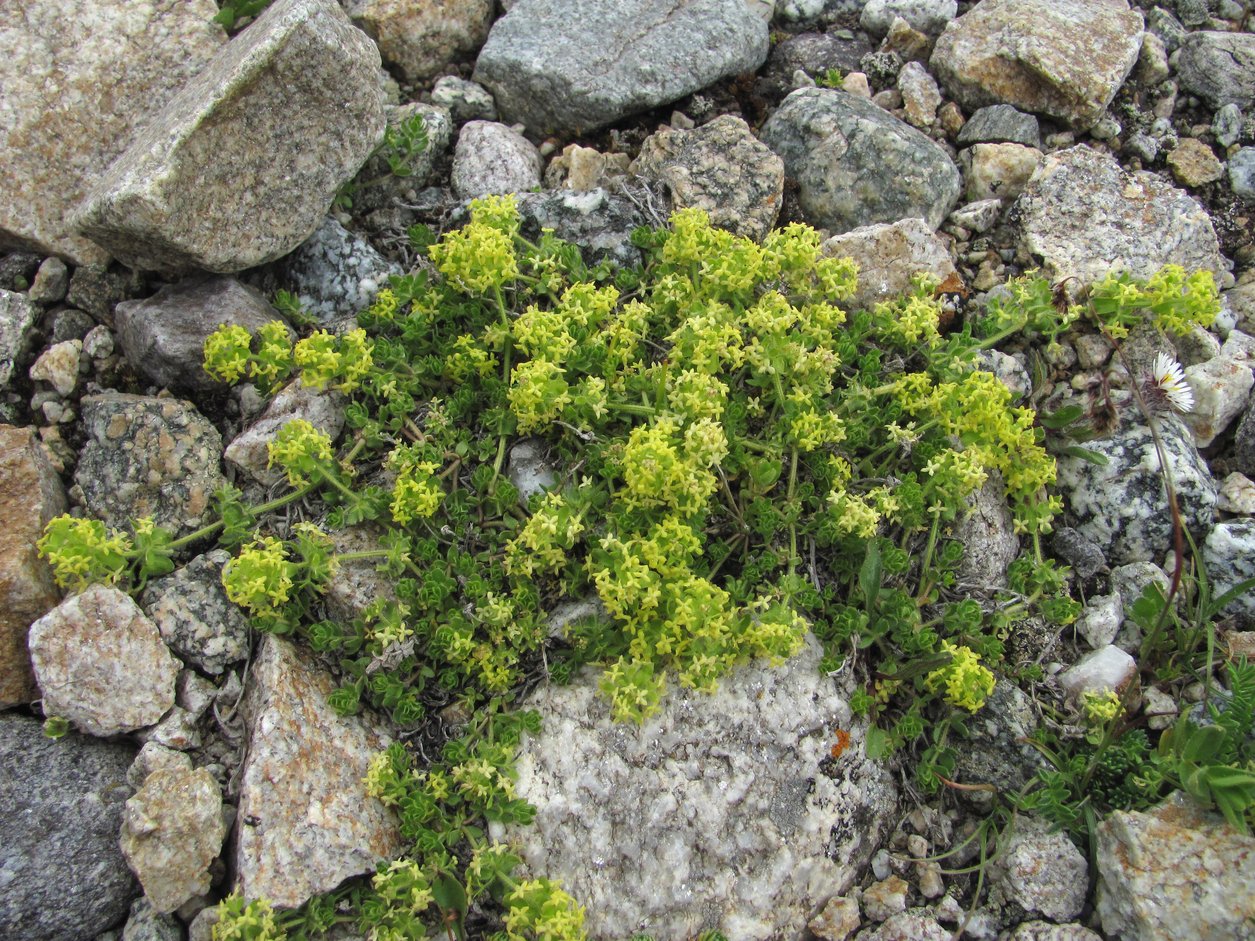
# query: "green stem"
{"points": [[630, 409], [792, 525]]}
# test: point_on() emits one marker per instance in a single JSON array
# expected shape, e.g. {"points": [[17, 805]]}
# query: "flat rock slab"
{"points": [[856, 164], [62, 875], [306, 823], [1082, 214], [1219, 67], [241, 166], [722, 811], [30, 495], [80, 78], [1028, 53], [572, 66]]}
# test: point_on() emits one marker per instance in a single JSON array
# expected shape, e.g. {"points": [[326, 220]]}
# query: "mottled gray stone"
{"points": [[1219, 67], [148, 457], [1229, 554], [322, 408], [577, 65], [1082, 553], [1242, 173], [599, 222], [998, 171], [80, 78], [1025, 53], [889, 255], [101, 664], [17, 316], [1045, 931], [356, 583], [979, 216], [927, 16], [62, 873], [996, 752], [1101, 619], [147, 924], [907, 926], [529, 471], [335, 274], [1221, 387], [99, 290], [988, 536], [163, 336], [191, 610], [376, 187], [814, 54], [920, 95], [422, 37], [50, 282], [1084, 215], [1176, 873], [638, 822], [466, 101], [306, 823], [720, 167], [856, 164], [241, 166], [492, 159], [1041, 871], [1244, 445]]}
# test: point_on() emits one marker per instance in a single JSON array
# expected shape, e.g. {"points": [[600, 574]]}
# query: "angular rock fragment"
{"points": [[889, 255], [1221, 386], [1042, 871], [421, 37], [17, 317], [322, 408], [492, 159], [1229, 554], [1219, 67], [191, 610], [241, 166]]}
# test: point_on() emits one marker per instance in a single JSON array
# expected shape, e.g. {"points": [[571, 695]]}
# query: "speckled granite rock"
{"points": [[1219, 67], [1175, 873], [599, 222], [163, 336], [466, 101], [306, 823], [996, 753], [889, 255], [63, 875], [907, 926], [928, 16], [241, 166], [335, 274], [357, 582], [998, 124], [722, 798], [1045, 931], [577, 65], [1082, 214], [855, 164], [1229, 554], [101, 664], [80, 78], [322, 408], [172, 830], [148, 456], [720, 167], [1221, 386], [145, 923], [1024, 53], [421, 37], [30, 495], [191, 610], [493, 159], [987, 534], [998, 170], [1041, 871], [17, 316]]}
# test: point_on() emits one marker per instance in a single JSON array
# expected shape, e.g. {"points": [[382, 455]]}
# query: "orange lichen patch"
{"points": [[841, 744]]}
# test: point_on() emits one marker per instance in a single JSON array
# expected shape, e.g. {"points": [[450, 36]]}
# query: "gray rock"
{"points": [[1121, 506], [306, 821], [1229, 554], [856, 164], [466, 101], [99, 290], [1241, 168], [600, 223], [1221, 386], [51, 282], [191, 610], [1080, 551], [1244, 445], [491, 158], [889, 255], [335, 274], [1108, 669], [1237, 495], [920, 95], [927, 16], [1045, 931], [17, 317], [1227, 125], [638, 822], [147, 924], [322, 408], [80, 78], [356, 583], [577, 65], [172, 830], [58, 366], [1024, 53], [988, 538], [241, 166], [61, 805], [101, 664], [814, 54], [1082, 215], [1041, 871], [1167, 27], [996, 752], [148, 457], [1219, 67], [979, 216], [529, 471], [1175, 872], [163, 336], [720, 167], [422, 37], [1101, 620], [998, 171], [907, 926]]}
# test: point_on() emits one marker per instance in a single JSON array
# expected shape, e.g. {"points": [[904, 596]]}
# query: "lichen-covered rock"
{"points": [[585, 168], [306, 823], [1025, 53], [730, 798], [163, 336], [80, 77], [172, 830], [322, 408], [422, 37], [1082, 214], [62, 873], [148, 457], [837, 921], [101, 664], [998, 124], [241, 166], [1121, 505], [1041, 871], [996, 751], [1229, 554], [720, 167], [491, 159], [886, 898], [145, 923], [1193, 164], [58, 366], [1219, 67], [1045, 931], [30, 495], [600, 223], [191, 610], [889, 255], [855, 164], [466, 101], [907, 926], [1175, 873], [578, 65], [999, 170], [928, 16], [17, 317], [335, 274]]}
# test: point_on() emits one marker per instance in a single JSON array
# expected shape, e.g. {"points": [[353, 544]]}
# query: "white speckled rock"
{"points": [[1237, 495], [306, 823], [335, 274], [721, 811], [1100, 621], [191, 609], [1229, 554], [1221, 386], [322, 408], [1042, 871], [928, 16], [491, 158], [889, 255], [101, 664], [17, 317]]}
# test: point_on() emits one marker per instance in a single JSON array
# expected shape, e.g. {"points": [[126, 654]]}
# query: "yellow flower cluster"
{"points": [[967, 683], [479, 258], [542, 545]]}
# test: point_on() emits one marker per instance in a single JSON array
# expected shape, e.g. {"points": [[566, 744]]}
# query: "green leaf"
{"points": [[869, 575], [1203, 744], [877, 743], [1085, 454], [450, 894], [1061, 418]]}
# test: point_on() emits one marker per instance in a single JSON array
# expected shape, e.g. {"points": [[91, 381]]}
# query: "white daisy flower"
{"points": [[1167, 385]]}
